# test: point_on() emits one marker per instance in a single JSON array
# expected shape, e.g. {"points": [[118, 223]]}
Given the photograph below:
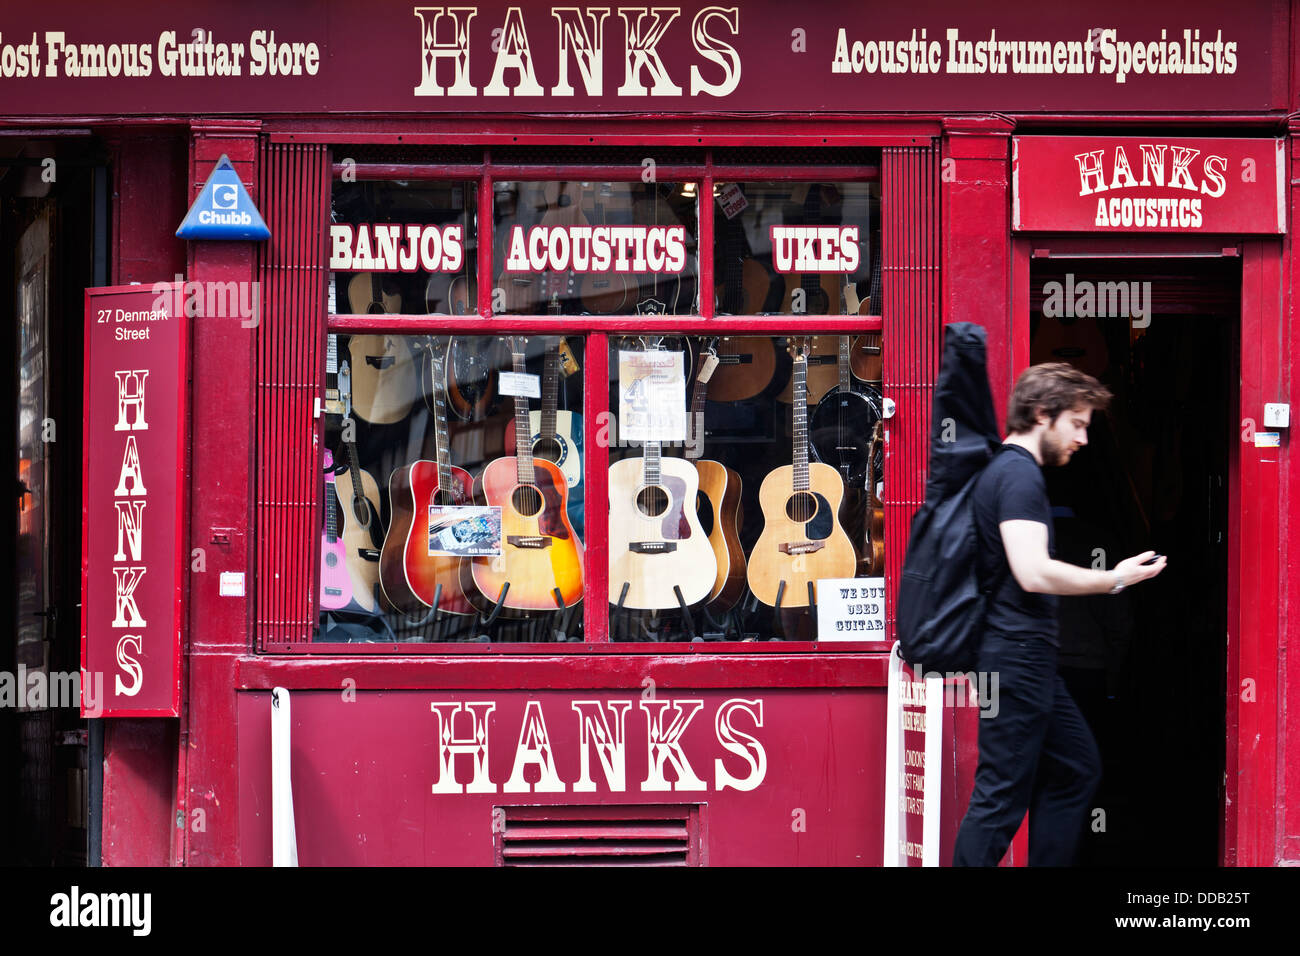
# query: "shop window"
{"points": [[738, 468], [587, 248], [402, 247]]}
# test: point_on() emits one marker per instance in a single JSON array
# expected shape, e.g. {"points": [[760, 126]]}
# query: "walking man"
{"points": [[1037, 752]]}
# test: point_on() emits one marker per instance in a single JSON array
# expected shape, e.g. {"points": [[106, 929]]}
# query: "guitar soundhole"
{"points": [[652, 501], [549, 449], [527, 500], [331, 560], [704, 511], [800, 507], [361, 509]]}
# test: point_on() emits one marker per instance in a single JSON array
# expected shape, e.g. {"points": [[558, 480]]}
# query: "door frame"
{"points": [[1247, 817]]}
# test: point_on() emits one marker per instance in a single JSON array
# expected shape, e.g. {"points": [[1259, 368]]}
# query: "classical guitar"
{"points": [[659, 555], [335, 581], [802, 540], [823, 354], [411, 577], [385, 382], [820, 290], [718, 503], [557, 435], [362, 536], [540, 565]]}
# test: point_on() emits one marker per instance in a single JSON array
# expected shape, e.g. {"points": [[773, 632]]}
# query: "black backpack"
{"points": [[941, 606]]}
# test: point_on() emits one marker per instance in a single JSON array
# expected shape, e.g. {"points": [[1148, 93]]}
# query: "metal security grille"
{"points": [[290, 344], [913, 328], [598, 836]]}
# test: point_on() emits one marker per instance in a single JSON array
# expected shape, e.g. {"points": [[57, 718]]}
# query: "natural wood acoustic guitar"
{"points": [[802, 540]]}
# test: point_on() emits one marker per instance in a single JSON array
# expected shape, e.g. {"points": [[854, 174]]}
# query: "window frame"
{"points": [[595, 330]]}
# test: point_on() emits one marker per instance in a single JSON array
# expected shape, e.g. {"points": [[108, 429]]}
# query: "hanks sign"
{"points": [[132, 558], [1148, 184]]}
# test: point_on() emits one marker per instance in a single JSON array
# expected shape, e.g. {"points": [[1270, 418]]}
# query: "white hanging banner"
{"points": [[284, 837], [913, 766]]}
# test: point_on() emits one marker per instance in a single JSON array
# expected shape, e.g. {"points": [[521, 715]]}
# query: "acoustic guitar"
{"points": [[335, 581], [385, 382], [410, 576], [664, 295], [540, 565], [866, 361], [359, 499], [747, 366], [718, 503], [471, 386], [602, 293], [557, 435], [744, 283], [369, 293], [659, 555], [841, 424], [802, 540]]}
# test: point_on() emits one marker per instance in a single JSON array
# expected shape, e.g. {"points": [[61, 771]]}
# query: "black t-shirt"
{"points": [[1012, 488]]}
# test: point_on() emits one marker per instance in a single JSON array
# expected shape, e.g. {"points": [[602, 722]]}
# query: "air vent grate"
{"points": [[598, 836]]}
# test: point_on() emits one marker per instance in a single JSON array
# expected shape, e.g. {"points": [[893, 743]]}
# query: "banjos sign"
{"points": [[133, 497], [1147, 184]]}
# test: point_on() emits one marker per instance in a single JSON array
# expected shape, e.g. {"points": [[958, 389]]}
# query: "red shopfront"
{"points": [[727, 737]]}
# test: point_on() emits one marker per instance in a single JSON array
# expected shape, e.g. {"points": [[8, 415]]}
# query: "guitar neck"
{"points": [[331, 497], [550, 390], [650, 463], [704, 371], [801, 424], [523, 436], [845, 341], [442, 446]]}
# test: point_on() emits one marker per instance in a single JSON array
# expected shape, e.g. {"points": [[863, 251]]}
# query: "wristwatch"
{"points": [[1119, 585]]}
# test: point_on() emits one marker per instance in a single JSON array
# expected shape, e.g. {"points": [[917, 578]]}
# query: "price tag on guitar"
{"points": [[651, 396]]}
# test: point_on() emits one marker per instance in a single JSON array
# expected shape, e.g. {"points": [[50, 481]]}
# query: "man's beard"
{"points": [[1054, 452]]}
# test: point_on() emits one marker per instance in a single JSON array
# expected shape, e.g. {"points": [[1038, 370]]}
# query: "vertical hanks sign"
{"points": [[133, 484]]}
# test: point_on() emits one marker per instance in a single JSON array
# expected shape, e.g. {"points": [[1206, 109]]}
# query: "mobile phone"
{"points": [[1153, 560]]}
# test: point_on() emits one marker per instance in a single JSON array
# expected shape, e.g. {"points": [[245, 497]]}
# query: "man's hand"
{"points": [[1037, 572], [1133, 570]]}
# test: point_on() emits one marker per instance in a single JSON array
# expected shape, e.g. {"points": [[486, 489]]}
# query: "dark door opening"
{"points": [[1148, 667]]}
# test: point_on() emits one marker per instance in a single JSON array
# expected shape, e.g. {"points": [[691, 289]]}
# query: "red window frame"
{"points": [[596, 330]]}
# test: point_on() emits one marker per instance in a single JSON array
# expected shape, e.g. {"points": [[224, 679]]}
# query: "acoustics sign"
{"points": [[133, 499]]}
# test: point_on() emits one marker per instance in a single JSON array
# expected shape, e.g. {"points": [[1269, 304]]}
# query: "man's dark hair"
{"points": [[1050, 389]]}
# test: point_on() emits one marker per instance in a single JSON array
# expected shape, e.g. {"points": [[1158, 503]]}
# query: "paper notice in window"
{"points": [[464, 530], [851, 609], [651, 396]]}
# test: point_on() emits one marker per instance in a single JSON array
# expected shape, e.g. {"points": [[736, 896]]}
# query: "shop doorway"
{"points": [[1148, 667], [53, 242]]}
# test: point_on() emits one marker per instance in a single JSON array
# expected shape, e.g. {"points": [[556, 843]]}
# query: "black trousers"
{"points": [[1036, 754]]}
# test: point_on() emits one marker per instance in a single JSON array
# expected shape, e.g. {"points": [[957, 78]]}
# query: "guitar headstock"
{"points": [[798, 347], [517, 345]]}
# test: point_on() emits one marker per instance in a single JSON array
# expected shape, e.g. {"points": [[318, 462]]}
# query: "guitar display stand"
{"points": [[562, 615], [491, 616], [686, 614]]}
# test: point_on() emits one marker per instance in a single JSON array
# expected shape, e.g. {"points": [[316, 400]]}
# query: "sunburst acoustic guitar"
{"points": [[540, 565], [412, 578]]}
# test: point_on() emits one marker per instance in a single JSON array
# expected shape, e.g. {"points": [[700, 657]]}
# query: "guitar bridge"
{"points": [[534, 541], [652, 547], [800, 547]]}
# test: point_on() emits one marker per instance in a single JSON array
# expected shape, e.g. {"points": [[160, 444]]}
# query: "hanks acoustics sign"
{"points": [[1148, 184], [132, 558]]}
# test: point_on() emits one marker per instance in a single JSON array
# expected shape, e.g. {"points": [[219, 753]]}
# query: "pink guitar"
{"points": [[335, 583]]}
